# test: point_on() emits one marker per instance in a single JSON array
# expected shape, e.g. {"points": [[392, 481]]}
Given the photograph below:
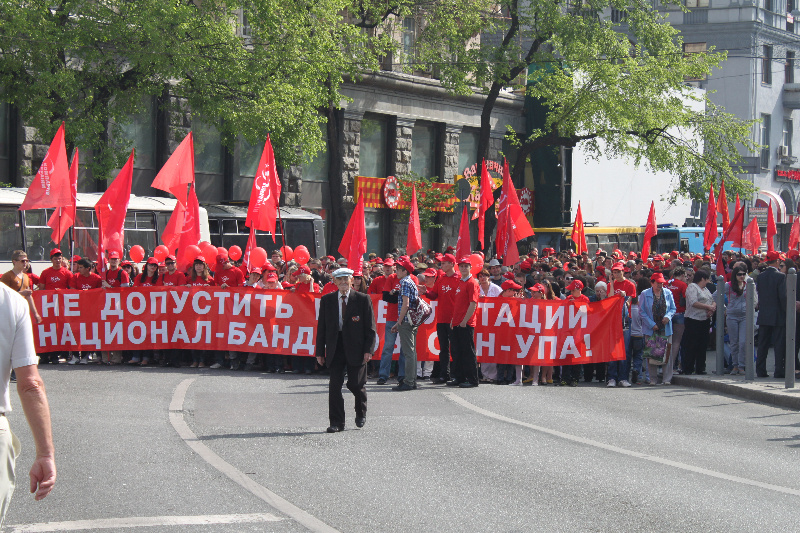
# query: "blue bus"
{"points": [[686, 239]]}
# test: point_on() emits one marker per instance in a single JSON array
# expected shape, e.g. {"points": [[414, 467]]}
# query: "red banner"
{"points": [[509, 330]]}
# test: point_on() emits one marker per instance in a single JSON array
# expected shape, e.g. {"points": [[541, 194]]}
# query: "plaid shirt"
{"points": [[407, 288]]}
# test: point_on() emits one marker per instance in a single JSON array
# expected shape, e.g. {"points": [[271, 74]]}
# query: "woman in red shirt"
{"points": [[200, 275], [148, 278]]}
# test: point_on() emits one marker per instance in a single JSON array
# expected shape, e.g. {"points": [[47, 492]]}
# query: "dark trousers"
{"points": [[693, 345], [774, 336], [441, 368], [356, 383], [571, 373], [465, 363]]}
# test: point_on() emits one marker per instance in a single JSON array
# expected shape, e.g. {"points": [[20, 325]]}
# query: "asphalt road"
{"points": [[248, 452]]}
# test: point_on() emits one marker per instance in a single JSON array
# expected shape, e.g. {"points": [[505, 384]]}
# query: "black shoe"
{"points": [[453, 383], [573, 383], [381, 381], [335, 429], [467, 385], [403, 387], [438, 381], [360, 421]]}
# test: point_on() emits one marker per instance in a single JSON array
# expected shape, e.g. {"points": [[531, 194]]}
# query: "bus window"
{"points": [[38, 234], [213, 226], [142, 233], [684, 245], [301, 231], [591, 243], [85, 234], [10, 232], [607, 242], [229, 227]]}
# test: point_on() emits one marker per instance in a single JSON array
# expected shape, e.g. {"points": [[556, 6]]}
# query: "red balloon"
{"points": [[221, 250], [258, 256], [137, 253], [235, 253], [301, 255], [287, 253], [161, 252], [192, 251], [477, 263], [209, 251]]}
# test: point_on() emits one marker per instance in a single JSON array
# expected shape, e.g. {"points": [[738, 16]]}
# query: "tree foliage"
{"points": [[429, 196]]}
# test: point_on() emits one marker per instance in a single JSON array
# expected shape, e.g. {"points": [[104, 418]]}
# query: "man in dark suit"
{"points": [[346, 314], [771, 288]]}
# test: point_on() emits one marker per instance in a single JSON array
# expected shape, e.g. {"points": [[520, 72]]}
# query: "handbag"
{"points": [[420, 313], [657, 349]]}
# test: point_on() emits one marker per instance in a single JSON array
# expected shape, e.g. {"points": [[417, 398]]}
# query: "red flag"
{"points": [[794, 234], [178, 171], [737, 204], [64, 217], [266, 193], [512, 226], [734, 233], [172, 231], [50, 187], [486, 201], [111, 210], [354, 243], [414, 241], [752, 236], [522, 228], [578, 235], [650, 231], [190, 230], [771, 230], [722, 207], [251, 244], [711, 234], [463, 245]]}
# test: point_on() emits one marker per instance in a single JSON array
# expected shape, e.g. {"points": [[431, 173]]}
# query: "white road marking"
{"points": [[589, 442], [298, 515], [144, 521]]}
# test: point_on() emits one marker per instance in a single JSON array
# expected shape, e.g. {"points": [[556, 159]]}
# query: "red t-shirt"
{"points": [[84, 283], [331, 287], [300, 287], [582, 298], [199, 282], [375, 286], [34, 279], [172, 280], [625, 286], [146, 282], [53, 278], [678, 289], [467, 292], [116, 278], [232, 277], [443, 291], [389, 283]]}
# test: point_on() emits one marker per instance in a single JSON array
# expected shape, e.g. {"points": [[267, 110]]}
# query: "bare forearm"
{"points": [[37, 411]]}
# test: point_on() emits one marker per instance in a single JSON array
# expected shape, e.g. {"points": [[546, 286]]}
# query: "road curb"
{"points": [[773, 398]]}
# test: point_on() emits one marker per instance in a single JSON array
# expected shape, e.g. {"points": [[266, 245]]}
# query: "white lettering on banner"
{"points": [[578, 314], [525, 346], [155, 331], [221, 296], [44, 334], [282, 310], [204, 324], [46, 305], [587, 343], [262, 304], [95, 340], [142, 330], [71, 305], [180, 298], [196, 303], [67, 337], [484, 307], [241, 302], [180, 333], [533, 322], [113, 333], [154, 304], [480, 344], [569, 348], [136, 311], [432, 343], [259, 336], [113, 306], [304, 340], [381, 312], [317, 301], [505, 316], [276, 336], [542, 341], [554, 317], [236, 336]]}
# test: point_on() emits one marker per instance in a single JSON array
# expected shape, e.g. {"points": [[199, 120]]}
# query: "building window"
{"points": [[317, 168], [790, 4], [374, 228], [698, 3], [409, 40], [467, 149], [140, 132], [789, 67], [766, 123], [768, 5], [786, 136], [766, 64], [372, 154], [423, 150], [208, 151]]}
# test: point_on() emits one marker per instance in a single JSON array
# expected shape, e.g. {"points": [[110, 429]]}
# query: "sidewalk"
{"points": [[765, 390]]}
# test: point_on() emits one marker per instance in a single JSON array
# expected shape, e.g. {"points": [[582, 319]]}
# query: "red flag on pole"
{"points": [[111, 210], [64, 217], [178, 171], [251, 244], [512, 226], [414, 241], [794, 235], [354, 243], [738, 206], [486, 201], [752, 237], [578, 234], [734, 233], [710, 235], [266, 193], [650, 231], [172, 231], [50, 187], [463, 245], [722, 207], [190, 230], [771, 230]]}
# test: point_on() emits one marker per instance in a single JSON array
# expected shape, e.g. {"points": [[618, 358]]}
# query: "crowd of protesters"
{"points": [[668, 299]]}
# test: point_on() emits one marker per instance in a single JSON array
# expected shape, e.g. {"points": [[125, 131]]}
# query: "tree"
{"points": [[430, 196], [617, 89]]}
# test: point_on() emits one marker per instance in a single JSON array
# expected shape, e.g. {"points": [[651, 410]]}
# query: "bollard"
{"points": [[719, 296], [791, 319], [749, 351]]}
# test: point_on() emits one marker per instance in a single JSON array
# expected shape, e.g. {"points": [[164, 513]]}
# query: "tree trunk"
{"points": [[335, 187]]}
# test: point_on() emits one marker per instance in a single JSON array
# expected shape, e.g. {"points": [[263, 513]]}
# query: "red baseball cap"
{"points": [[269, 266], [55, 251], [464, 259], [111, 255], [379, 261], [330, 258], [510, 284], [255, 270], [272, 276], [618, 266], [509, 275], [304, 270], [405, 263], [389, 262], [448, 258], [431, 272], [172, 257], [538, 288], [659, 277], [773, 256], [575, 285], [152, 261], [200, 258]]}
